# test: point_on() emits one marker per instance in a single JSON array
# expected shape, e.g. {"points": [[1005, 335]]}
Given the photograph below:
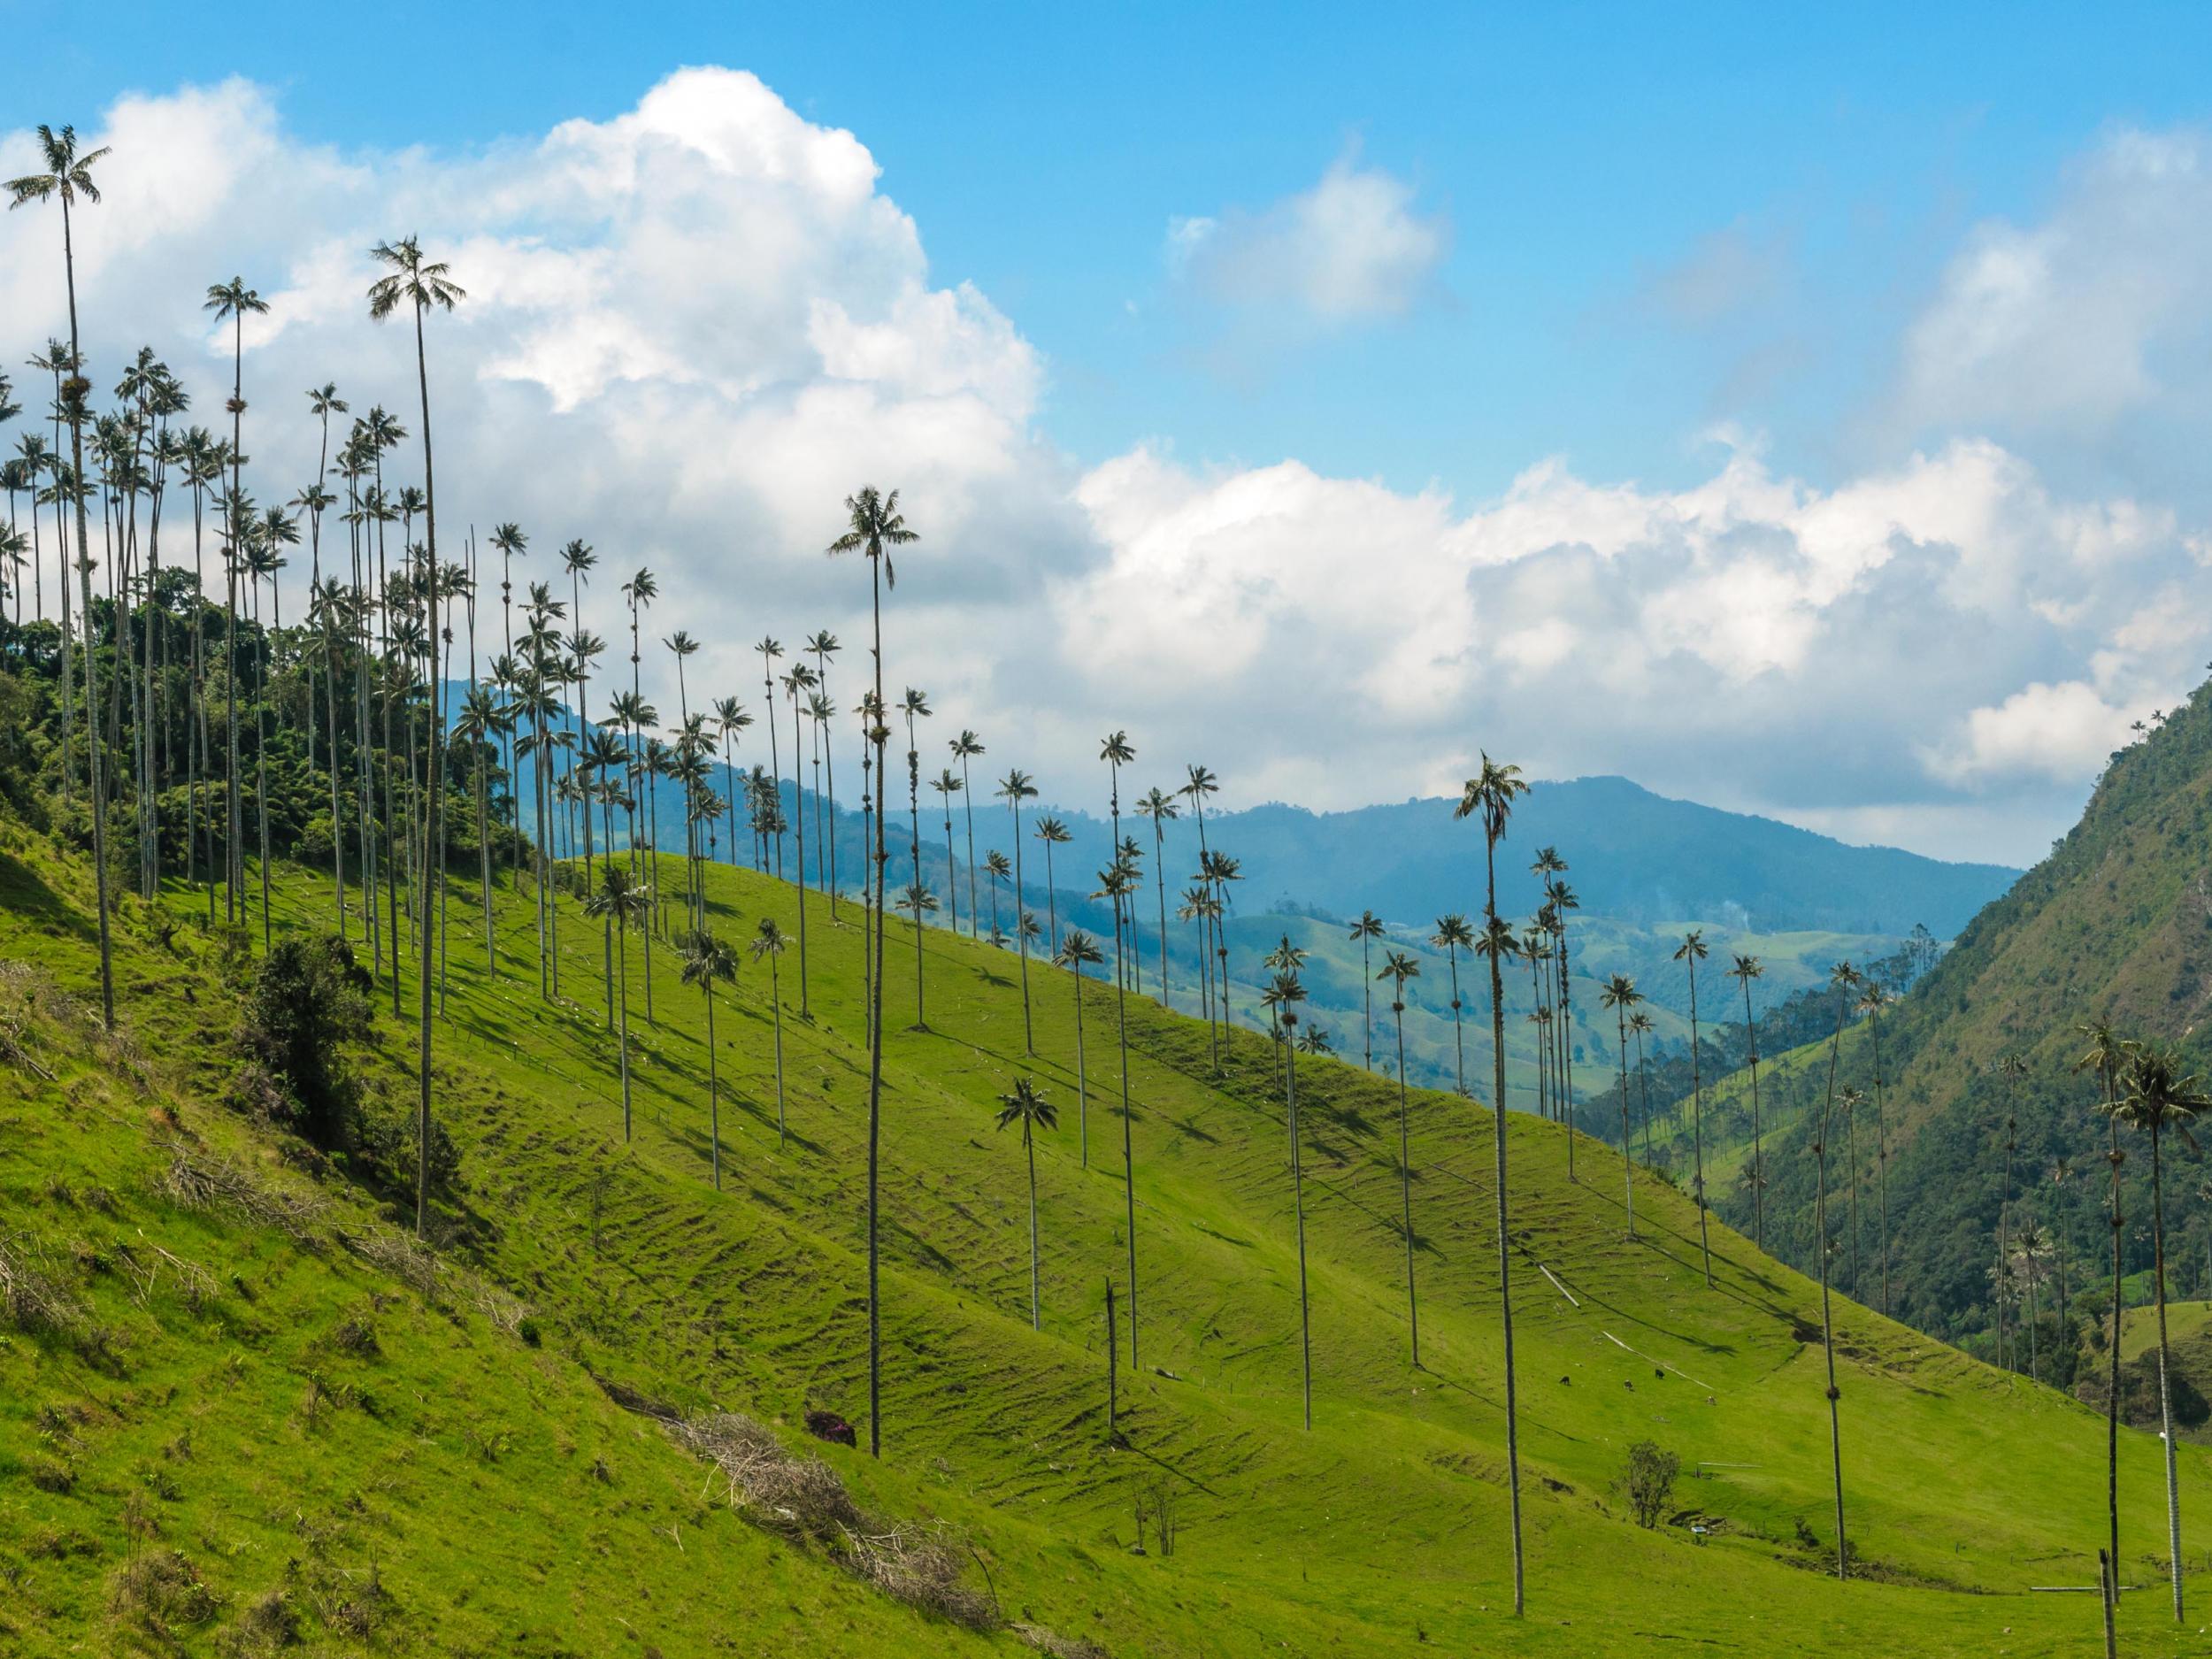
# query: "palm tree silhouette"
{"points": [[1690, 952], [1640, 1024], [822, 647], [1076, 951], [1014, 788], [1367, 930], [1398, 967], [875, 527], [1053, 833], [770, 649], [770, 942], [1032, 1111], [1453, 935], [915, 705], [996, 867], [1621, 995], [2105, 1055], [1114, 749], [1115, 883], [2159, 1097], [68, 177], [946, 787], [965, 747], [1489, 797], [707, 959], [1159, 807], [625, 904], [1743, 970], [420, 285], [1282, 996]]}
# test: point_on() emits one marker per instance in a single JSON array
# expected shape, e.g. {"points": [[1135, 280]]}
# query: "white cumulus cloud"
{"points": [[1351, 248]]}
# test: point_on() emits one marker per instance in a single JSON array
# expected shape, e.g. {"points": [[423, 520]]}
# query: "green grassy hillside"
{"points": [[433, 1455]]}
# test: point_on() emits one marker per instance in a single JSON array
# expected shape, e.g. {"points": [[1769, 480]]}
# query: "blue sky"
{"points": [[1797, 410], [1580, 157]]}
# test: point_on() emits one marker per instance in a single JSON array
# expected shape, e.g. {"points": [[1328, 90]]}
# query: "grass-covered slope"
{"points": [[501, 1503]]}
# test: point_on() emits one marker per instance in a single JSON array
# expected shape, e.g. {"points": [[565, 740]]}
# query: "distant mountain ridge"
{"points": [[1633, 854]]}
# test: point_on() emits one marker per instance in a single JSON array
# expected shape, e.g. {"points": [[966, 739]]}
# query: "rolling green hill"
{"points": [[236, 1408]]}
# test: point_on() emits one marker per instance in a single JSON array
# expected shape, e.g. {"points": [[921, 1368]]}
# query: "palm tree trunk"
{"points": [[1459, 1048], [1758, 1166], [2165, 1397], [775, 996], [714, 1082], [1405, 1188], [1298, 1199], [1021, 930], [623, 949], [2112, 1392], [1036, 1305], [876, 735], [1128, 1154], [1505, 1246], [1367, 991], [1628, 1167], [967, 796], [798, 801], [1828, 1344], [1697, 1118], [84, 572], [1881, 1160], [1082, 1086]]}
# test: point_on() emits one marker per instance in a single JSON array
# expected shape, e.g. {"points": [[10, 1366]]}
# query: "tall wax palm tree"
{"points": [[231, 301], [1398, 967], [915, 705], [1368, 929], [2104, 1056], [771, 649], [1561, 899], [1621, 995], [1285, 958], [729, 719], [1114, 749], [1548, 867], [874, 527], [1283, 996], [625, 904], [1690, 952], [769, 943], [823, 646], [1640, 1024], [1159, 807], [420, 285], [1452, 936], [1076, 951], [965, 747], [1015, 788], [1117, 884], [1743, 970], [1032, 1111], [1053, 833], [707, 959], [801, 678], [1314, 1040], [68, 178], [996, 866], [946, 787], [1843, 979], [2160, 1098], [1489, 797]]}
